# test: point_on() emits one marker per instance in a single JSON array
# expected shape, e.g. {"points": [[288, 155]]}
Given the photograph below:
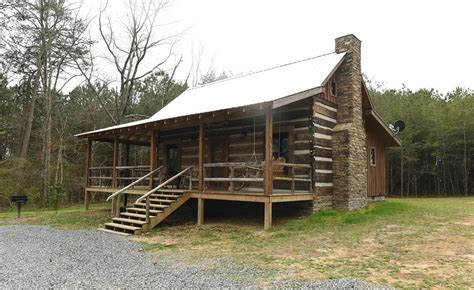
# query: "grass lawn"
{"points": [[72, 217], [400, 243]]}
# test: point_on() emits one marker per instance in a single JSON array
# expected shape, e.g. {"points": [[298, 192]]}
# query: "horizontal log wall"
{"points": [[324, 120], [188, 143], [246, 134]]}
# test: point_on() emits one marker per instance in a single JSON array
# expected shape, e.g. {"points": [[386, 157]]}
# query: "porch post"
{"points": [[200, 217], [267, 223], [88, 172], [126, 162], [268, 153], [202, 146], [115, 161], [153, 141], [114, 174]]}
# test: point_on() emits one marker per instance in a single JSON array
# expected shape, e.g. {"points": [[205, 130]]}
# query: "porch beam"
{"points": [[124, 141], [268, 184], [88, 173], [180, 122], [202, 145]]}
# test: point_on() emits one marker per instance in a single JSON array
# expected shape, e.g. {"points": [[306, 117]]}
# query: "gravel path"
{"points": [[43, 257]]}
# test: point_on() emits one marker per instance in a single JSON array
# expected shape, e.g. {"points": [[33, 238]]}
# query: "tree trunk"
{"points": [[31, 110], [465, 157], [445, 189], [401, 174]]}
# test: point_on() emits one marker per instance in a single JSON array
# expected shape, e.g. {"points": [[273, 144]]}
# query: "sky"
{"points": [[418, 44]]}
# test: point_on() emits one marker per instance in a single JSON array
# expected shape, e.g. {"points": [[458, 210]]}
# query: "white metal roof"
{"points": [[254, 88]]}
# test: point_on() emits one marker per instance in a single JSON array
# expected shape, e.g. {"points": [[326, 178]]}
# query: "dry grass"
{"points": [[405, 243], [400, 243]]}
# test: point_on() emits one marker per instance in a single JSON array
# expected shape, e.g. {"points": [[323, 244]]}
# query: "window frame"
{"points": [[373, 157], [333, 85]]}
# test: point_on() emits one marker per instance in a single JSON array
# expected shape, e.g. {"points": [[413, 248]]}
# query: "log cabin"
{"points": [[303, 131]]}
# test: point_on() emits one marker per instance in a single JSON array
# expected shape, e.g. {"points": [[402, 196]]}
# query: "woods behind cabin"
{"points": [[45, 45]]}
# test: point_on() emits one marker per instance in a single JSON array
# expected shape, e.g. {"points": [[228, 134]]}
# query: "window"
{"points": [[372, 156], [333, 89]]}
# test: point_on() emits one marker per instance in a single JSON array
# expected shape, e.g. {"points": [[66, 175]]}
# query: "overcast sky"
{"points": [[422, 44]]}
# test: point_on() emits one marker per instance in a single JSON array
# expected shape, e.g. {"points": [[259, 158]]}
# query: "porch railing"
{"points": [[249, 172], [242, 173], [144, 177], [287, 172], [102, 176]]}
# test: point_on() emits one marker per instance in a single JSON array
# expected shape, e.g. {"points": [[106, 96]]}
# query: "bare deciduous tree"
{"points": [[135, 53]]}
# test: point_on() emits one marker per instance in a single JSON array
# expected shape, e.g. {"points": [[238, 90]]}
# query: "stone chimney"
{"points": [[349, 138]]}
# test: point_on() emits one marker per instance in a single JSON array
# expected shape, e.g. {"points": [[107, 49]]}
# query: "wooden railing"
{"points": [[98, 178], [240, 177], [146, 196], [290, 176], [144, 177], [102, 176], [254, 172], [118, 194]]}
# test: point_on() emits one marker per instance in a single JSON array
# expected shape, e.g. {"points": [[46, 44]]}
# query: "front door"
{"points": [[172, 159]]}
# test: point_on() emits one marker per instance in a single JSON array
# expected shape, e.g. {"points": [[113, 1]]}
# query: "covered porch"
{"points": [[253, 153]]}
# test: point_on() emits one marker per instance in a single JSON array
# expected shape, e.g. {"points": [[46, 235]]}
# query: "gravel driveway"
{"points": [[39, 256]]}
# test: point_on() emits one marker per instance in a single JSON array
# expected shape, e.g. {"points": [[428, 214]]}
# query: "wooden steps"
{"points": [[152, 205], [162, 200], [113, 232], [165, 195], [143, 210], [133, 221], [121, 226], [135, 215], [129, 221]]}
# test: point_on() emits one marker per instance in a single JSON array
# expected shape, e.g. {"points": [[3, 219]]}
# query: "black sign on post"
{"points": [[19, 200]]}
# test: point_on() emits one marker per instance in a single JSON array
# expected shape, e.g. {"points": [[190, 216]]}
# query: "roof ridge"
{"points": [[260, 71]]}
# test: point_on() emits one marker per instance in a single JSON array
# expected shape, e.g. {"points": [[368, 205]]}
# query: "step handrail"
{"points": [[163, 184], [135, 182]]}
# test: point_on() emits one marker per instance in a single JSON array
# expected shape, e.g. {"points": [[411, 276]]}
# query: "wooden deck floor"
{"points": [[277, 196]]}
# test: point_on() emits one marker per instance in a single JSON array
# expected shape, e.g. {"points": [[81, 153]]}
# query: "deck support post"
{"points": [[202, 146], [115, 200], [200, 217], [153, 163], [88, 172], [267, 223], [268, 153]]}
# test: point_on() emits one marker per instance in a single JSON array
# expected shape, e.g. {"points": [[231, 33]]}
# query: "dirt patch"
{"points": [[469, 221], [423, 248]]}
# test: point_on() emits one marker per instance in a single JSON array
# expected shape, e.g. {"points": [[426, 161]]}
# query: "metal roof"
{"points": [[259, 87]]}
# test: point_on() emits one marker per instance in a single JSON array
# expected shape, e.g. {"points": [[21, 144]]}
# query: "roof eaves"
{"points": [[379, 119]]}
